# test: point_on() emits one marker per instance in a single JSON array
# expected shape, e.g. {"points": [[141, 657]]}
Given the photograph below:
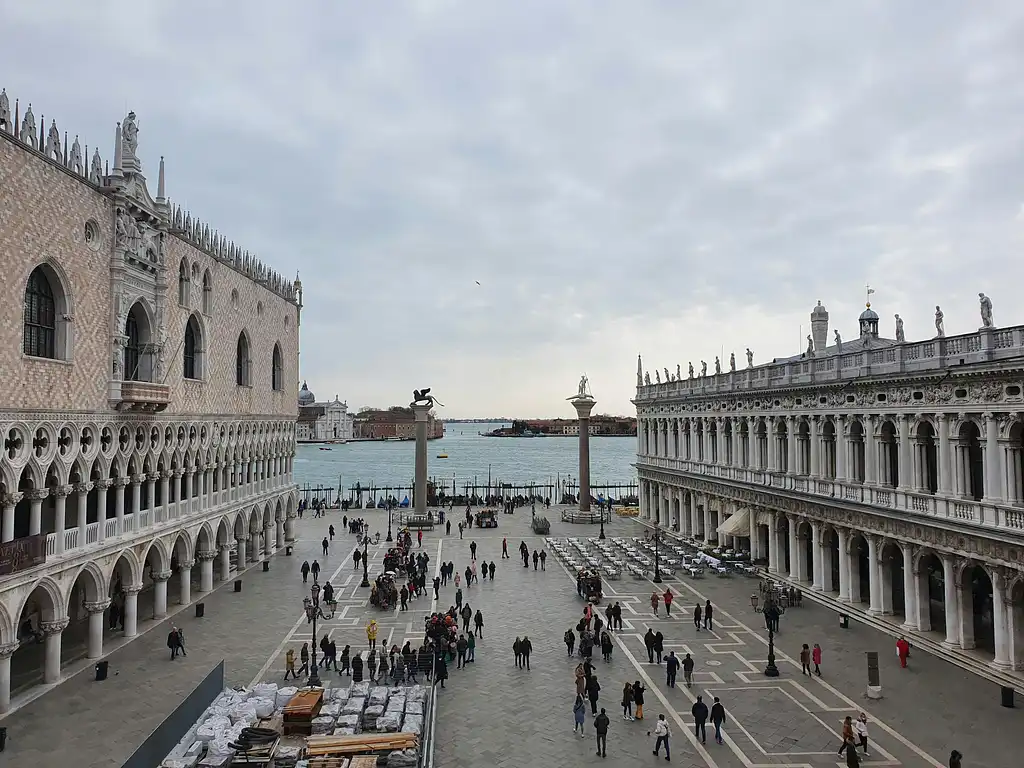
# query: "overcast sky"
{"points": [[673, 179]]}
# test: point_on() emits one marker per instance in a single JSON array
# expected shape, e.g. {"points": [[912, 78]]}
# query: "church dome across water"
{"points": [[305, 396]]}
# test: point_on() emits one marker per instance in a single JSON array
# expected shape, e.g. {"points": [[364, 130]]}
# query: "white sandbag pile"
{"points": [[414, 708], [389, 722], [354, 706], [348, 721], [332, 709], [378, 697], [284, 695], [413, 724], [286, 757], [359, 690], [416, 693], [339, 694], [396, 704]]}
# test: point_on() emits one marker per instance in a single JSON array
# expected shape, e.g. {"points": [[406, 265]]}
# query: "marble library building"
{"points": [[884, 477], [148, 408]]}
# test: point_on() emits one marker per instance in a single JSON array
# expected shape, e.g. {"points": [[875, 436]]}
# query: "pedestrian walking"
{"points": [[579, 715], [954, 759], [469, 577], [478, 623], [448, 528], [304, 568], [570, 641], [458, 593], [330, 532], [471, 648], [649, 645], [846, 735], [708, 611], [472, 550], [461, 647], [593, 691], [580, 677], [357, 668], [419, 537], [659, 645], [526, 648], [490, 570], [346, 660], [699, 710], [654, 602], [903, 651], [289, 664], [627, 701], [371, 633], [697, 616], [356, 557], [304, 659], [461, 529], [718, 718], [606, 646], [601, 723], [638, 699], [536, 559], [816, 658], [504, 549], [688, 665], [173, 642], [325, 544], [662, 735], [671, 669], [805, 660], [860, 727], [315, 570], [668, 602], [472, 571], [543, 558]]}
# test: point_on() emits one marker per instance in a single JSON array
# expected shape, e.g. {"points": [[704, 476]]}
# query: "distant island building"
{"points": [[326, 422], [608, 426], [396, 423]]}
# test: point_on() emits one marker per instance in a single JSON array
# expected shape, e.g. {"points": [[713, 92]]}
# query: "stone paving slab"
{"points": [[492, 713]]}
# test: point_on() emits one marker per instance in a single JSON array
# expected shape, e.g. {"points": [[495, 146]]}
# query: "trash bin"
{"points": [[844, 621], [1007, 696], [288, 549], [3, 738], [266, 566], [238, 585], [101, 670], [200, 610]]}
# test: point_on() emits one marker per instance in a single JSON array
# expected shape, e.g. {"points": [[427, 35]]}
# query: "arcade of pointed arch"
{"points": [[124, 569]]}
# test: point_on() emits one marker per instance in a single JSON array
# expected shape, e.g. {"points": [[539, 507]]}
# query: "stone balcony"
{"points": [[983, 346], [995, 518], [142, 396]]}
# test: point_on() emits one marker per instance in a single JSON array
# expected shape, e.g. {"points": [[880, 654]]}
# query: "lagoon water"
{"points": [[519, 461]]}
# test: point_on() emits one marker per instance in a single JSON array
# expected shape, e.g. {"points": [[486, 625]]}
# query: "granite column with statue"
{"points": [[422, 412], [584, 403]]}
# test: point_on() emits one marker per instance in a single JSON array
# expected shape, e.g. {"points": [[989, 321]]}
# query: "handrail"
{"points": [[430, 719]]}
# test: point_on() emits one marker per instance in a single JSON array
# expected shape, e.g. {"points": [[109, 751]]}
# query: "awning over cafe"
{"points": [[737, 524]]}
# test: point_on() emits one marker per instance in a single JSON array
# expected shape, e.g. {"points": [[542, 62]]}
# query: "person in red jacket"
{"points": [[903, 650], [668, 601], [816, 658]]}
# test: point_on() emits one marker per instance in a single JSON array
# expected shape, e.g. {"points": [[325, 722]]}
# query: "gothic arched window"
{"points": [[277, 373], [40, 337], [242, 361]]}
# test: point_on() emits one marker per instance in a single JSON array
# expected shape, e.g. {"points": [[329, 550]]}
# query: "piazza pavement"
{"points": [[496, 715]]}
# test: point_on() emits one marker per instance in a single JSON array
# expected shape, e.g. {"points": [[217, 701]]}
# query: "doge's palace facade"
{"points": [[885, 476], [148, 408]]}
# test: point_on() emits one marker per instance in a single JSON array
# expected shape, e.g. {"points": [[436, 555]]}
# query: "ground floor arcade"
{"points": [[955, 595]]}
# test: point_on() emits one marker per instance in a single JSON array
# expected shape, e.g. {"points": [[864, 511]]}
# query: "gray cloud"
{"points": [[677, 181]]}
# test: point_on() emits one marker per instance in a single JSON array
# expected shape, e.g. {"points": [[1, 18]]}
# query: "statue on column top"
{"points": [[129, 137], [940, 327], [839, 343], [657, 376], [679, 373], [647, 379], [732, 362], [750, 358], [718, 366], [667, 377], [986, 311], [703, 368], [691, 369], [901, 336], [810, 346]]}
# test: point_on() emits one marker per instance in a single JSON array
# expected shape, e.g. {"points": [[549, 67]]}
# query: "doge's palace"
{"points": [[884, 477], [150, 371]]}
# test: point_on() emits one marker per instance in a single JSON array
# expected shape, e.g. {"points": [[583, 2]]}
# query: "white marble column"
{"points": [[206, 571], [815, 438], [131, 610], [10, 501], [844, 564], [772, 447], [842, 450], [279, 534], [874, 575], [35, 514], [101, 508], [965, 599], [82, 510], [96, 610], [52, 631], [119, 492], [870, 451], [289, 527], [60, 494], [185, 582], [910, 594], [816, 556], [951, 600], [774, 564], [269, 539], [826, 566], [225, 562], [1000, 621], [794, 559], [792, 466], [906, 481], [242, 551], [6, 651], [944, 457], [994, 460], [922, 598], [160, 579]]}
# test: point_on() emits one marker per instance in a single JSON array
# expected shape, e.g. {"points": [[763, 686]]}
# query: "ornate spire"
{"points": [[116, 170], [160, 184]]}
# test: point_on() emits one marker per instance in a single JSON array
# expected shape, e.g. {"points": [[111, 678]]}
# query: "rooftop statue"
{"points": [[810, 346], [703, 368], [986, 311], [732, 362], [691, 369], [647, 379], [718, 366], [940, 327], [750, 358], [839, 343], [901, 336]]}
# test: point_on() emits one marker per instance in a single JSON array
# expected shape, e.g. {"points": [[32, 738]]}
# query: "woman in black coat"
{"points": [[357, 668], [593, 689], [606, 646], [638, 699], [440, 670]]}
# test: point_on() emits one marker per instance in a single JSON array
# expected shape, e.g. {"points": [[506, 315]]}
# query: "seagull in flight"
{"points": [[477, 282]]}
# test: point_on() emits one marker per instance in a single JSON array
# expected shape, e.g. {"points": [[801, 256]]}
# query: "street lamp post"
{"points": [[657, 564], [771, 670], [312, 611], [366, 574], [601, 512], [389, 537]]}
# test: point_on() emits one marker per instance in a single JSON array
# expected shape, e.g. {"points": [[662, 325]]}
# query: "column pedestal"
{"points": [[584, 404]]}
